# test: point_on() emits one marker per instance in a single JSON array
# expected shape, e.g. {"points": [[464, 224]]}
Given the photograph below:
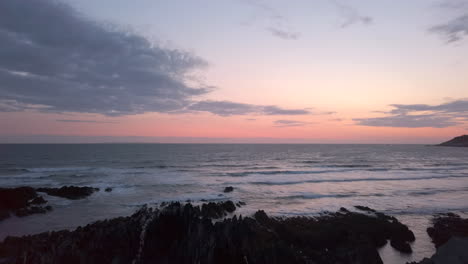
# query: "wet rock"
{"points": [[240, 204], [228, 189], [364, 208], [108, 189], [69, 192], [217, 210], [453, 252], [183, 233], [19, 201], [38, 200], [401, 245], [446, 226]]}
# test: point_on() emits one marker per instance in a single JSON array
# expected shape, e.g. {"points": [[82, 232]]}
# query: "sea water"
{"points": [[410, 182]]}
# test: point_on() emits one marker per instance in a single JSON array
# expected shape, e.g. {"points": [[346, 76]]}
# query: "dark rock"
{"points": [[217, 210], [364, 208], [31, 210], [108, 189], [181, 233], [19, 201], [401, 245], [228, 189], [446, 226], [461, 141], [69, 192], [453, 252], [38, 200], [228, 206], [240, 204]]}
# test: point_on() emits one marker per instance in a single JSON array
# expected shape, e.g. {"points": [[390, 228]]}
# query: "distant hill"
{"points": [[461, 141]]}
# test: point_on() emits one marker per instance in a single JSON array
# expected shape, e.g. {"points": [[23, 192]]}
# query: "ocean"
{"points": [[410, 182]]}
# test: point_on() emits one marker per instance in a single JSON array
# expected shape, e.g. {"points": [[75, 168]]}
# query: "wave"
{"points": [[247, 173], [347, 166], [316, 196], [320, 196], [436, 191], [355, 180], [311, 161], [14, 170], [59, 169]]}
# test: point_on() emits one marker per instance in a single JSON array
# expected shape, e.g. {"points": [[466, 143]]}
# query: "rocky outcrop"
{"points": [[453, 252], [178, 233], [228, 189], [446, 226], [69, 192], [461, 141], [21, 201], [449, 234]]}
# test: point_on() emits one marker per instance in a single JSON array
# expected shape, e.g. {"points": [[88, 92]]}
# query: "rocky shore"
{"points": [[185, 233], [449, 234], [23, 201], [212, 233]]}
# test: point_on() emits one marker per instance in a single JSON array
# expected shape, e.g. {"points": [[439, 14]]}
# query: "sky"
{"points": [[233, 71]]}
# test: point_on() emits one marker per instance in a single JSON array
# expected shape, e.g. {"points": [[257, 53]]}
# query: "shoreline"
{"points": [[339, 236], [224, 212]]}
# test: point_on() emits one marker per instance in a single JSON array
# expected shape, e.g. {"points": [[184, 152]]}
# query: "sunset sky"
{"points": [[315, 71]]}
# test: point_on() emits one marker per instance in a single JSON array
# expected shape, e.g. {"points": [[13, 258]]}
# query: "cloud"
{"points": [[290, 123], [351, 15], [453, 30], [53, 59], [284, 34], [410, 121], [228, 108], [453, 4], [84, 121], [421, 115], [456, 28], [277, 24]]}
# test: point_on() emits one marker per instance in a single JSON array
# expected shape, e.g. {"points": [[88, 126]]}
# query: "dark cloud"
{"points": [[453, 30], [277, 24], [411, 121], [228, 108], [457, 107], [453, 4], [351, 15], [53, 59], [284, 34], [421, 115], [84, 121], [290, 123]]}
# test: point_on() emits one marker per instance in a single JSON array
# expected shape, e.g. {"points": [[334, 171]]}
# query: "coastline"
{"points": [[204, 234], [346, 235]]}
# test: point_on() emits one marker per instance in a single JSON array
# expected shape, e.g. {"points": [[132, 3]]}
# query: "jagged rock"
{"points": [[228, 189], [240, 204], [445, 226], [401, 245], [38, 200], [108, 189], [453, 252], [217, 210], [364, 208], [19, 201], [178, 233], [69, 192]]}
